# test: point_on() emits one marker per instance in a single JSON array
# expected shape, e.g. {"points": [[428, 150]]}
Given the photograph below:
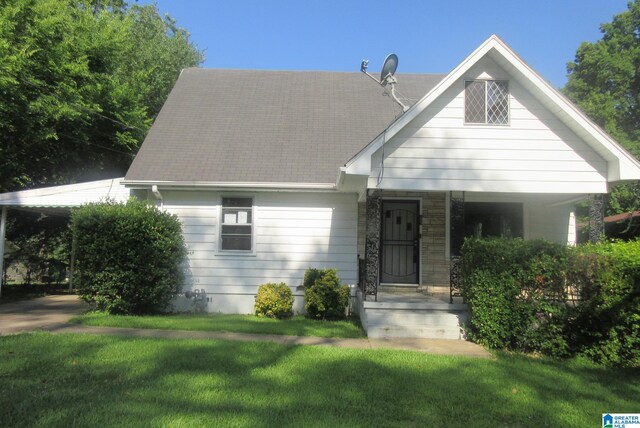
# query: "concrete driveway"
{"points": [[44, 312]]}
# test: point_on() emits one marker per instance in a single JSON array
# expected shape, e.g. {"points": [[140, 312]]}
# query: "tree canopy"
{"points": [[80, 84], [604, 78], [604, 81]]}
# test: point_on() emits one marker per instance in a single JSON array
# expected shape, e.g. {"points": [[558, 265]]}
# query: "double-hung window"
{"points": [[236, 231], [486, 101]]}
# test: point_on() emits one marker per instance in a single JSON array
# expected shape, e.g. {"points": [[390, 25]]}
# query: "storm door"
{"points": [[400, 246]]}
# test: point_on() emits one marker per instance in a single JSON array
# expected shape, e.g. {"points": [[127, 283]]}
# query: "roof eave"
{"points": [[213, 185]]}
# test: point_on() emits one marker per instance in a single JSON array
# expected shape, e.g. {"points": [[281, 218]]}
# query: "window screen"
{"points": [[236, 232]]}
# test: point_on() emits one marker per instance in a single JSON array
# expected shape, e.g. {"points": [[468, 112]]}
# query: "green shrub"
{"points": [[516, 294], [274, 301], [324, 297], [606, 325], [537, 296], [311, 275], [128, 256]]}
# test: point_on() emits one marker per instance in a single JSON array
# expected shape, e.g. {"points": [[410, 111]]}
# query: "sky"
{"points": [[428, 36]]}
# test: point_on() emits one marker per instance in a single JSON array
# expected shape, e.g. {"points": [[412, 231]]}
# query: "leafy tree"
{"points": [[41, 244], [604, 81], [80, 84]]}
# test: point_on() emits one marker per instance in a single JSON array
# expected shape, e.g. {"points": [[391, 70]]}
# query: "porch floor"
{"points": [[415, 298]]}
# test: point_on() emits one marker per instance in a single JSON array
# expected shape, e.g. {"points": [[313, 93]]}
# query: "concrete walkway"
{"points": [[52, 313]]}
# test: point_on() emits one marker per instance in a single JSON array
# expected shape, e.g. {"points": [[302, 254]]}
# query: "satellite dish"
{"points": [[389, 67], [386, 76]]}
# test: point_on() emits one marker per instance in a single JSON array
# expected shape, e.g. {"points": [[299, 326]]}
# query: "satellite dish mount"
{"points": [[387, 76]]}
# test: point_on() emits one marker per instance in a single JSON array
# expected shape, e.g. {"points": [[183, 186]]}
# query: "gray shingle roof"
{"points": [[267, 126]]}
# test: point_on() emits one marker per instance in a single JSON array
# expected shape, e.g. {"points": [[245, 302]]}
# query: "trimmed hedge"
{"points": [[538, 296], [128, 256], [516, 294], [274, 301], [324, 297]]}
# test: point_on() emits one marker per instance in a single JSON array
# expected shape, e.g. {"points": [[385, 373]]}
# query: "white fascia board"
{"points": [[361, 163], [147, 184]]}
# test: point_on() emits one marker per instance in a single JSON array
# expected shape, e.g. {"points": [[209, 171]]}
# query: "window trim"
{"points": [[221, 208], [486, 106]]}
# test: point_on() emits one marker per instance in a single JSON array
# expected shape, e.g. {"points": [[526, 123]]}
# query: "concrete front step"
{"points": [[412, 315], [428, 318], [388, 331], [433, 323]]}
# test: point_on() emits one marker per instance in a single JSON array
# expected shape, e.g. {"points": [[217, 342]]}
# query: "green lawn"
{"points": [[296, 326], [86, 380]]}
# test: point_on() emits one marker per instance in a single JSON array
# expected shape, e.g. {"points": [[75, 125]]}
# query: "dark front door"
{"points": [[400, 247]]}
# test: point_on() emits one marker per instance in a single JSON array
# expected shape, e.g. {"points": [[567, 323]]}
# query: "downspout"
{"points": [[3, 228], [157, 194]]}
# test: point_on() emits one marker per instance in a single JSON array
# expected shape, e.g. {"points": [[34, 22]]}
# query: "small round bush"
{"points": [[274, 301], [324, 297]]}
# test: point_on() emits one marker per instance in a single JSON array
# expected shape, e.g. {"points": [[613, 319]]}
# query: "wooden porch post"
{"points": [[372, 245]]}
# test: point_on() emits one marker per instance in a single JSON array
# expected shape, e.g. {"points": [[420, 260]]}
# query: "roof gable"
{"points": [[622, 165]]}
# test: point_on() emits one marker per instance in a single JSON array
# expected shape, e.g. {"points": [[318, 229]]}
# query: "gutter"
{"points": [[146, 184]]}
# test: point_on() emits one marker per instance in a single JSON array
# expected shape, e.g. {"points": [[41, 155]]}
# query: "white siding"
{"points": [[535, 153], [552, 223], [292, 232]]}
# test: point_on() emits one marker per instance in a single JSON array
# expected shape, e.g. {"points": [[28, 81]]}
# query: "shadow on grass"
{"points": [[295, 326], [95, 380]]}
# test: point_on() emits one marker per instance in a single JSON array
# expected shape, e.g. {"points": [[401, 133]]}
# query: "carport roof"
{"points": [[70, 195]]}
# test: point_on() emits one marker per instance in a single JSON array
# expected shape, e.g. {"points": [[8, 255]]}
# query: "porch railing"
{"points": [[455, 278]]}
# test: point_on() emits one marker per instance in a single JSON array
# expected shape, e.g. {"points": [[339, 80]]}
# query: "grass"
{"points": [[296, 326], [84, 380]]}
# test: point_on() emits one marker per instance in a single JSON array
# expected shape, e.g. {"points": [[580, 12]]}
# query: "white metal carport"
{"points": [[60, 197]]}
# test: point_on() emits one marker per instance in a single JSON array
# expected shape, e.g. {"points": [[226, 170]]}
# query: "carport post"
{"points": [[73, 261], [3, 227]]}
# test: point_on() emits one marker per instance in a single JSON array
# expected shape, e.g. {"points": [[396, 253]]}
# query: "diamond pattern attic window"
{"points": [[486, 101]]}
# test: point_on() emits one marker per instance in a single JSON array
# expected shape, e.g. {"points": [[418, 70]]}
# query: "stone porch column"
{"points": [[372, 244], [596, 218]]}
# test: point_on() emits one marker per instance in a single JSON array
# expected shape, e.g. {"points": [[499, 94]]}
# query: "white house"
{"points": [[272, 172]]}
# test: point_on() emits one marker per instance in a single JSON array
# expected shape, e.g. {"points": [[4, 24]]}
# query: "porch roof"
{"points": [[67, 196]]}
